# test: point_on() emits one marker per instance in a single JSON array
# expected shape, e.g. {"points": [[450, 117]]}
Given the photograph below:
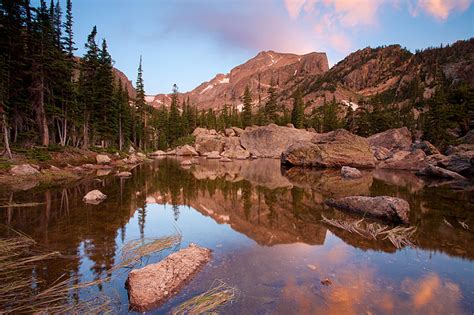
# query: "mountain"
{"points": [[387, 74], [119, 75], [257, 73]]}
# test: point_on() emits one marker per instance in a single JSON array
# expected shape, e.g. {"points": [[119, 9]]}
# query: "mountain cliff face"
{"points": [[392, 74], [257, 73]]}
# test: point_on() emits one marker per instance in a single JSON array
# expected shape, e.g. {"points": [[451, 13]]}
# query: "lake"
{"points": [[263, 224]]}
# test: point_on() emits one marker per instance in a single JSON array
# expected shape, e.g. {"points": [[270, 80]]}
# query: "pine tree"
{"points": [[174, 128], [105, 115], [297, 114], [141, 106], [247, 109], [271, 106]]}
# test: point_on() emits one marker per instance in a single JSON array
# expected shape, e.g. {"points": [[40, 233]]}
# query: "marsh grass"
{"points": [[208, 302], [19, 287], [399, 236]]}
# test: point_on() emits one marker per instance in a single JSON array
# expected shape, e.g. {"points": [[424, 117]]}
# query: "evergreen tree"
{"points": [[247, 109], [271, 106], [140, 104], [174, 128], [297, 114]]}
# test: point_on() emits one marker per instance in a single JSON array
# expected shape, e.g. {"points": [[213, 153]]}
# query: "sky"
{"points": [[188, 42]]}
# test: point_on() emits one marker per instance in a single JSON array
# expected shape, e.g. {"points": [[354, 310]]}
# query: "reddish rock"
{"points": [[150, 286], [405, 160], [392, 139]]}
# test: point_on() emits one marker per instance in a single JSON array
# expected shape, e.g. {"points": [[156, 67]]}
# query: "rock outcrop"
{"points": [[94, 197], [152, 285], [334, 149], [270, 141], [382, 207]]}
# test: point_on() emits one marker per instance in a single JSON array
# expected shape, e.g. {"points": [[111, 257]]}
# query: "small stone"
{"points": [[94, 197]]}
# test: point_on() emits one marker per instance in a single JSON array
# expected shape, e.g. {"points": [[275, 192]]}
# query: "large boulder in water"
{"points": [[334, 149], [186, 150], [382, 207], [435, 171], [350, 172], [152, 285], [270, 141], [462, 162], [207, 142], [392, 139]]}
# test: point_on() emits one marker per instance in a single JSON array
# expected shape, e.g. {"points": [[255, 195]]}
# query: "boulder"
{"points": [[141, 155], [381, 153], [436, 171], [225, 159], [290, 125], [382, 207], [229, 132], [426, 147], [334, 149], [350, 172], [238, 131], [152, 285], [171, 152], [131, 150], [406, 160], [23, 169], [207, 143], [102, 159], [124, 174], [94, 197], [462, 148], [392, 139], [462, 163], [237, 154], [186, 150], [213, 155], [270, 141], [132, 159], [158, 153]]}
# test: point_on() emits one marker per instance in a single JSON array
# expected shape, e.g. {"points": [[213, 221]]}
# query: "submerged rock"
{"points": [[334, 149], [436, 171], [350, 172], [186, 163], [381, 207], [152, 285], [94, 197], [23, 169]]}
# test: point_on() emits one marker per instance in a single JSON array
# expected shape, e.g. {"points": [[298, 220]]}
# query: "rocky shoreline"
{"points": [[394, 149]]}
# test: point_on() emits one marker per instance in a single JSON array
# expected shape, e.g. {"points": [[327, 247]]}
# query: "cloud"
{"points": [[250, 25], [440, 9], [294, 7]]}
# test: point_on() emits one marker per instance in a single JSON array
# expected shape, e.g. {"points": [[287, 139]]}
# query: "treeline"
{"points": [[50, 97]]}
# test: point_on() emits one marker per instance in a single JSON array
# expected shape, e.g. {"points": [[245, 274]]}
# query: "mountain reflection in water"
{"points": [[264, 226]]}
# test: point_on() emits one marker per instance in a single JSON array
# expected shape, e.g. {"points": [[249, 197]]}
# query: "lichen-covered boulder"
{"points": [[332, 150]]}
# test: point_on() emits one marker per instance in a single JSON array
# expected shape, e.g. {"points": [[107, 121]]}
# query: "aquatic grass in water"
{"points": [[18, 293], [399, 236], [218, 295]]}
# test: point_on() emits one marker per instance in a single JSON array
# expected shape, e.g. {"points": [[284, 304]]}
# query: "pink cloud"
{"points": [[294, 7], [440, 9]]}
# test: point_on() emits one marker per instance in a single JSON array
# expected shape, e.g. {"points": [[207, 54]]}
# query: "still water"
{"points": [[264, 227]]}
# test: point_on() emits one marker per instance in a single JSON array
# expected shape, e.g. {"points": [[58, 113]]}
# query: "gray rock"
{"points": [[436, 171], [392, 139], [382, 207], [23, 169], [186, 150]]}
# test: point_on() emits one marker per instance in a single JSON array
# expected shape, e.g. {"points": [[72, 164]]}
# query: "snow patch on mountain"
{"points": [[210, 86], [149, 98], [352, 105]]}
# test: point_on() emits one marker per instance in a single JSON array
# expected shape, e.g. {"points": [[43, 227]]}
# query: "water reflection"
{"points": [[280, 210]]}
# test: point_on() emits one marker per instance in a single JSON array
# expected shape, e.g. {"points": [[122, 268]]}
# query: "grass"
{"points": [[208, 302], [399, 236], [19, 256]]}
